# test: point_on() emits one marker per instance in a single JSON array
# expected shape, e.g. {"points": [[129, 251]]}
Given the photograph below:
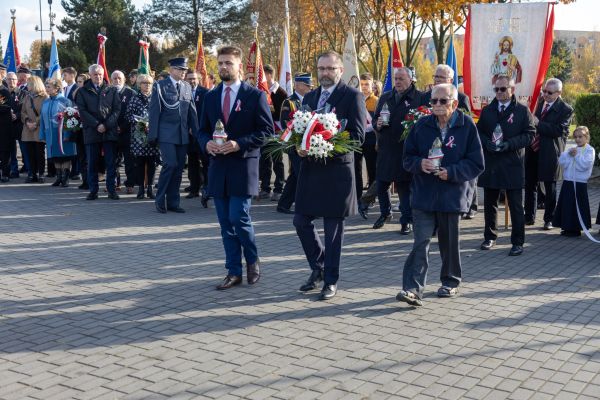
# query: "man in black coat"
{"points": [[506, 128], [99, 107], [400, 100], [124, 129], [197, 160], [327, 188], [552, 118], [268, 163]]}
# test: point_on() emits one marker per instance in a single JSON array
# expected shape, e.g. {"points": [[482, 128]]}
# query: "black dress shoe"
{"points": [[83, 186], [284, 210], [113, 196], [487, 244], [363, 212], [406, 229], [192, 195], [328, 292], [150, 193], [529, 222], [253, 272], [516, 250], [204, 201], [187, 189], [92, 196], [548, 226], [160, 209], [382, 220], [229, 282], [177, 210], [311, 284]]}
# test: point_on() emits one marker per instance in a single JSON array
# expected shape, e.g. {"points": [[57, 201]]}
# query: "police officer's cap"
{"points": [[303, 77], [24, 70], [178, 62]]}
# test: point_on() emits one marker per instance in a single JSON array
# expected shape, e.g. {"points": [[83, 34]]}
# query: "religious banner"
{"points": [[510, 39], [350, 75]]}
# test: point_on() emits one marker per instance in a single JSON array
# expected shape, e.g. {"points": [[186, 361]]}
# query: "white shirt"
{"points": [[174, 82], [69, 88], [578, 168], [329, 89], [503, 104], [274, 87], [235, 87]]}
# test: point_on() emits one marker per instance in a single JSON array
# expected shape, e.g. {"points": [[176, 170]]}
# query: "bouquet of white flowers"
{"points": [[321, 135], [69, 122]]}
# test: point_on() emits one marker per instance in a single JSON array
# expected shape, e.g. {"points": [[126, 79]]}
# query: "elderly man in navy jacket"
{"points": [[233, 166], [327, 189], [172, 115], [440, 195]]}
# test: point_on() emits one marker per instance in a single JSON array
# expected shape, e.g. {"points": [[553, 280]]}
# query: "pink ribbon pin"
{"points": [[238, 106], [510, 118], [450, 143]]}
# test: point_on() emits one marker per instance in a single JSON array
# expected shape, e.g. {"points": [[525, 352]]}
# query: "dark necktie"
{"points": [[178, 89], [535, 144], [226, 104], [544, 111], [502, 108]]}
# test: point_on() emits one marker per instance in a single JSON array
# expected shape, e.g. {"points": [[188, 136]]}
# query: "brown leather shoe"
{"points": [[253, 272], [229, 282]]}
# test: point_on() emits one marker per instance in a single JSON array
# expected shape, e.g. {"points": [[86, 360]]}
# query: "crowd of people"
{"points": [[138, 124]]}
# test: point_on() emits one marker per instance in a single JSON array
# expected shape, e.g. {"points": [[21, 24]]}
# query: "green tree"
{"points": [[69, 55], [83, 22], [561, 61]]}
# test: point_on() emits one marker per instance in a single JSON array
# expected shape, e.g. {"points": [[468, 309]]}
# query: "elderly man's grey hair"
{"points": [[11, 74], [95, 67], [116, 72], [446, 68], [511, 81], [557, 83], [405, 69], [446, 87]]}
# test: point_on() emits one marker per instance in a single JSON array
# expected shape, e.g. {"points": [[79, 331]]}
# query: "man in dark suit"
{"points": [[124, 129], [505, 128], [552, 118], [3, 71], [267, 162], [233, 165], [99, 106], [172, 115], [400, 100], [68, 76], [197, 161], [302, 85], [327, 189]]}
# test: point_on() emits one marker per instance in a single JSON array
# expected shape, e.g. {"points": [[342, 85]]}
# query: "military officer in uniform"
{"points": [[172, 115], [302, 85]]}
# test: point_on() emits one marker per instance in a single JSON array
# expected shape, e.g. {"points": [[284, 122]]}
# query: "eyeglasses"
{"points": [[145, 83], [441, 101], [548, 92], [440, 77], [328, 69], [500, 89]]}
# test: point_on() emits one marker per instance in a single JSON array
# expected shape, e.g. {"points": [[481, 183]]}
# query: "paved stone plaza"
{"points": [[111, 300]]}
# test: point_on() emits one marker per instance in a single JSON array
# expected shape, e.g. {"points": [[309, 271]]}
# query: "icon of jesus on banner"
{"points": [[505, 62]]}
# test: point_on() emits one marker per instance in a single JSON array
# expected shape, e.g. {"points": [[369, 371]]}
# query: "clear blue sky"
{"points": [[581, 15]]}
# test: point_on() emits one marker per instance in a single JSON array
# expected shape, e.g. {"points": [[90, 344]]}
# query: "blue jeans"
{"points": [[416, 265], [385, 205], [93, 155], [14, 164], [237, 231]]}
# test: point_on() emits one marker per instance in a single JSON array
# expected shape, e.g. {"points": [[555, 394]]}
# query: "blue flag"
{"points": [[54, 68], [451, 60], [387, 83], [11, 58]]}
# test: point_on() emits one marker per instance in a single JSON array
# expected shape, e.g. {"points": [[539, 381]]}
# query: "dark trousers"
{"points": [[5, 163], [531, 200], [517, 215], [358, 176], [370, 156], [93, 156], [36, 151], [385, 205], [265, 165], [81, 158], [145, 168], [197, 171], [237, 231], [124, 151], [414, 275], [321, 256], [169, 180], [288, 196]]}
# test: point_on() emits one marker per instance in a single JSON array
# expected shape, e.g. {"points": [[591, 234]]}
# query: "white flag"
{"points": [[350, 75], [285, 68]]}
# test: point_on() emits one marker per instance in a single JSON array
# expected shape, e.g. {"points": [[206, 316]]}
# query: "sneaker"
{"points": [[264, 195], [396, 208], [447, 291]]}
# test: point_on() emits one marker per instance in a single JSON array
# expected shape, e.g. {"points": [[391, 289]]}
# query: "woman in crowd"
{"points": [[81, 78], [577, 163], [144, 154], [59, 150], [30, 116]]}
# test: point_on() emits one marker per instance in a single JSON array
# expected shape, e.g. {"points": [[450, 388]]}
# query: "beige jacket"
{"points": [[29, 115]]}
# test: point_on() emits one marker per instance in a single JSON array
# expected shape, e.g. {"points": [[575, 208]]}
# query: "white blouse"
{"points": [[578, 168]]}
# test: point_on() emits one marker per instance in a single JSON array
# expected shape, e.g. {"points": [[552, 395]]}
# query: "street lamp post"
{"points": [[40, 29]]}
